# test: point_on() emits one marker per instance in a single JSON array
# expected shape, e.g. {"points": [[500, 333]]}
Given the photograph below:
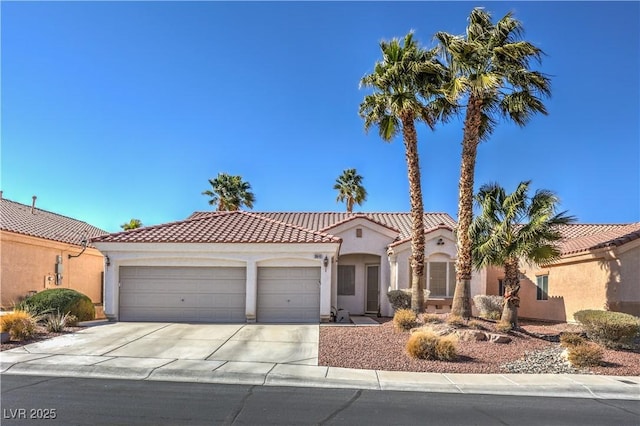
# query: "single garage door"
{"points": [[288, 295], [186, 294]]}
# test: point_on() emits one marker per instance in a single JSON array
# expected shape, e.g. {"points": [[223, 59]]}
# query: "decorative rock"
{"points": [[498, 338], [547, 361], [471, 335]]}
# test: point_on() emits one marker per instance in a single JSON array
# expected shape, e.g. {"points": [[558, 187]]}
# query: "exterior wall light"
{"points": [[325, 262]]}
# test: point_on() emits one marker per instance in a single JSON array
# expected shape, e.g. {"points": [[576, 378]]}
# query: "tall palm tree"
{"points": [[491, 71], [350, 189], [229, 193], [405, 87], [512, 228], [132, 224]]}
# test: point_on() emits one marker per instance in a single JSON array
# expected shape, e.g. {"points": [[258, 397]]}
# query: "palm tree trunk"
{"points": [[417, 214], [511, 293], [461, 305]]}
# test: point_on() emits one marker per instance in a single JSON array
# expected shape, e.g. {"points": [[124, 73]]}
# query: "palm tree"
{"points": [[405, 87], [512, 228], [132, 224], [490, 68], [350, 189], [229, 193]]}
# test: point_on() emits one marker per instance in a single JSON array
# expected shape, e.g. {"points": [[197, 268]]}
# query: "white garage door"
{"points": [[288, 295], [184, 294]]}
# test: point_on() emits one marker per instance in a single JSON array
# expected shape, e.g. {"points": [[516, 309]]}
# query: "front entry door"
{"points": [[373, 286]]}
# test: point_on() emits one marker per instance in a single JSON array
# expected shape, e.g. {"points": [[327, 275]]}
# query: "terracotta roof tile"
{"points": [[584, 237], [319, 221], [18, 218], [222, 227]]}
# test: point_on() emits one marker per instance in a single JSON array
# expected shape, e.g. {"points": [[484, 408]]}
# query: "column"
{"points": [[251, 301]]}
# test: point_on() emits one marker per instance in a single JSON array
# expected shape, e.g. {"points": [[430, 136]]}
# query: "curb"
{"points": [[265, 374]]}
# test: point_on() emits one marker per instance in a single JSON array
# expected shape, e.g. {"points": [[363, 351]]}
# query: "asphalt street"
{"points": [[38, 400]]}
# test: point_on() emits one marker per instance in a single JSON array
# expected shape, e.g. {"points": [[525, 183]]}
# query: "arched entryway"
{"points": [[359, 282]]}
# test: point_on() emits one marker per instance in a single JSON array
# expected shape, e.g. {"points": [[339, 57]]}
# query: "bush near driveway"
{"points": [[20, 325], [405, 319], [60, 300], [428, 345]]}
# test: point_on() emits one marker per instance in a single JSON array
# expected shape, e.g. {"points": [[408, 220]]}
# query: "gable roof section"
{"points": [[18, 218], [426, 231], [584, 237], [356, 217], [319, 221], [221, 227]]}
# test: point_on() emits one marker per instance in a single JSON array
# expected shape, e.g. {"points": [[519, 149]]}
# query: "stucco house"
{"points": [[599, 269], [271, 267], [40, 249]]}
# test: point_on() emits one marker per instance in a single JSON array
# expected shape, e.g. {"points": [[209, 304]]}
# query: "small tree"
{"points": [[229, 193], [132, 224], [512, 228], [350, 189]]}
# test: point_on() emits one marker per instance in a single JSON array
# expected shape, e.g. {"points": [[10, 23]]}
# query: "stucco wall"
{"points": [[623, 281], [572, 287], [28, 264]]}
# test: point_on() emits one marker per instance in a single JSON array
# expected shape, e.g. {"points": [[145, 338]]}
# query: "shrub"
{"points": [[56, 323], [611, 329], [430, 346], [64, 300], [405, 319], [431, 318], [19, 324], [489, 307], [568, 339], [399, 299], [504, 327], [456, 321], [586, 354]]}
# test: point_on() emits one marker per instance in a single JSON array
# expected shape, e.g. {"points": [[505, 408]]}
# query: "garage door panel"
{"points": [[187, 294], [288, 294]]}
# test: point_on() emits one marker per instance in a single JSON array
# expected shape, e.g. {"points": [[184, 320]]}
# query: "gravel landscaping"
{"points": [[534, 351]]}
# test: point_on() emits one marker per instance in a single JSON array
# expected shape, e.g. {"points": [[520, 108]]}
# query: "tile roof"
{"points": [[426, 231], [321, 221], [18, 218], [222, 227], [584, 237]]}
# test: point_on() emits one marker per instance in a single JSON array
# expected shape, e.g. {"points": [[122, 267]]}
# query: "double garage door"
{"points": [[193, 294]]}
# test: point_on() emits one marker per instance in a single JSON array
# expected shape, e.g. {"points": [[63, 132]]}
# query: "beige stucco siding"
{"points": [[28, 264], [623, 280]]}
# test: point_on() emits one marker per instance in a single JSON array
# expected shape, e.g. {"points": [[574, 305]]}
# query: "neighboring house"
{"points": [[271, 267], [35, 246], [599, 269]]}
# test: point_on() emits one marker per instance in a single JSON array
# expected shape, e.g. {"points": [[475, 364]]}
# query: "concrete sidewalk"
{"points": [[278, 355]]}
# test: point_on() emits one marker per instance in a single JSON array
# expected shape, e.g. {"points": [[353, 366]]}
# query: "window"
{"points": [[346, 280], [542, 283], [438, 278], [501, 287], [358, 232]]}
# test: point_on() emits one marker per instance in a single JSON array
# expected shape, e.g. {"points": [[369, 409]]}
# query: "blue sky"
{"points": [[114, 110]]}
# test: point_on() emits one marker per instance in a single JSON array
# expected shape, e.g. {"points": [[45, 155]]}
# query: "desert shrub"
{"points": [[405, 319], [489, 307], [399, 299], [586, 354], [611, 329], [430, 346], [504, 327], [56, 323], [19, 324], [64, 300], [456, 321], [431, 318], [568, 339], [477, 325]]}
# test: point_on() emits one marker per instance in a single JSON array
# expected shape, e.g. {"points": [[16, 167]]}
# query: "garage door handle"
{"points": [[182, 300]]}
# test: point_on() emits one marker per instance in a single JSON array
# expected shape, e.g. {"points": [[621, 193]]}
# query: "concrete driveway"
{"points": [[119, 342]]}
